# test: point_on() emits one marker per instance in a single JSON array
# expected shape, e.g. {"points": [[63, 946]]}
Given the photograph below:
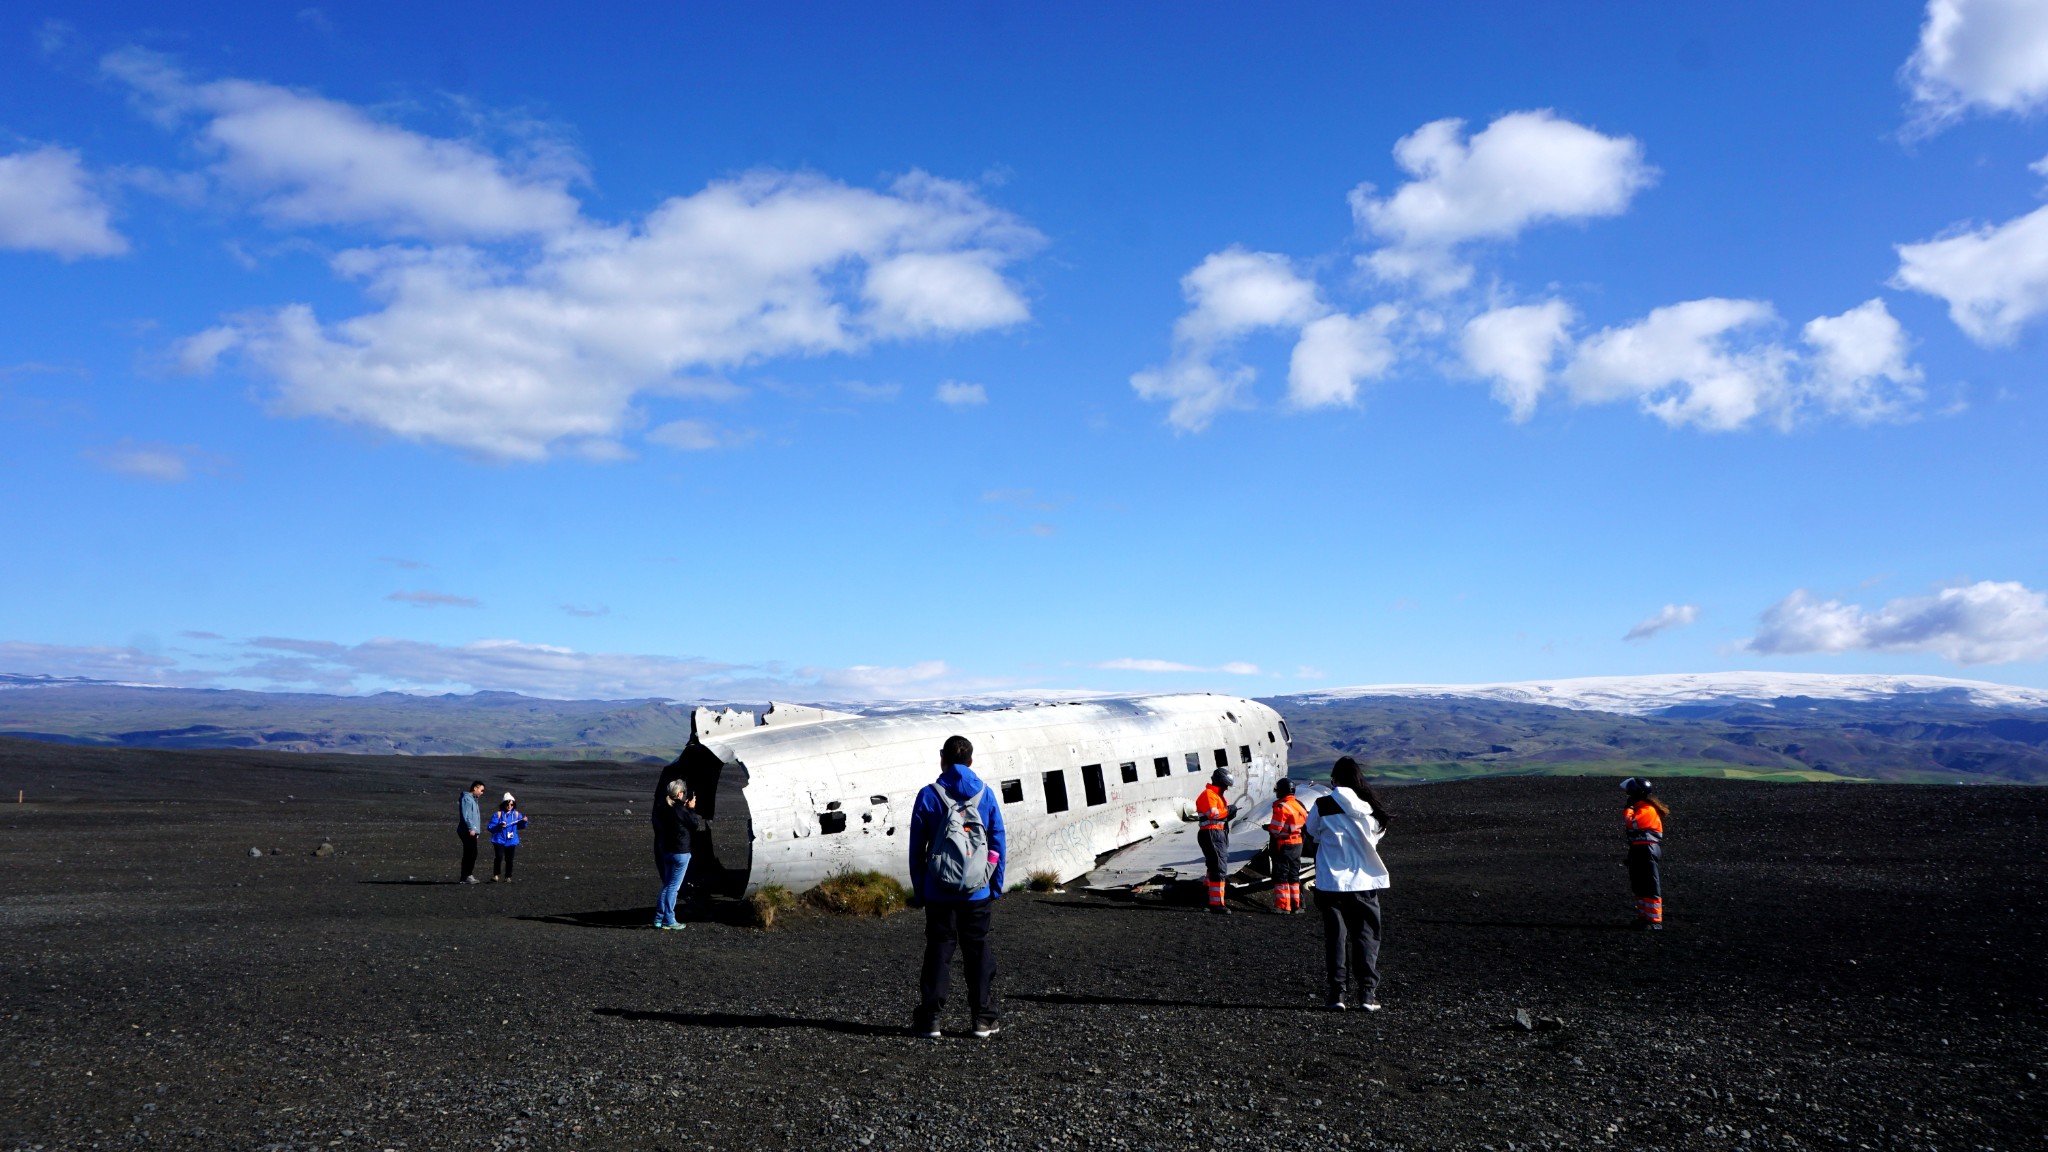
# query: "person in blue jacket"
{"points": [[956, 918], [505, 825]]}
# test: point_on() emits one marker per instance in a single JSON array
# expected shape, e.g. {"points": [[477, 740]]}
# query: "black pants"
{"points": [[1643, 880], [1215, 852], [964, 925], [1351, 942], [501, 859], [468, 852]]}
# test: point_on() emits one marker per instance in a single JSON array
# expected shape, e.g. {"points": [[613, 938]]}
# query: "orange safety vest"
{"points": [[1289, 818], [1642, 824], [1213, 809]]}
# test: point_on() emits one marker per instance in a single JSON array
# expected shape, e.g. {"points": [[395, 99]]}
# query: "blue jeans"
{"points": [[673, 866]]}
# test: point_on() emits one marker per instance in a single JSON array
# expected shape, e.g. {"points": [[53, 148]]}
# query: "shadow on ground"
{"points": [[764, 1020], [1086, 1001], [731, 913]]}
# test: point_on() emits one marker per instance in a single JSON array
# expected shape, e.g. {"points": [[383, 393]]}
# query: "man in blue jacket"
{"points": [[954, 917], [469, 824]]}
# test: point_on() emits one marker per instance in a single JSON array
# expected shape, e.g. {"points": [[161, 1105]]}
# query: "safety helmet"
{"points": [[1636, 786], [1285, 787], [1222, 778]]}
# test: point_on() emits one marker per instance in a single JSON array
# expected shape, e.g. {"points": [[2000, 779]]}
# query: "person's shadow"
{"points": [[759, 1020], [732, 913], [1082, 1000]]}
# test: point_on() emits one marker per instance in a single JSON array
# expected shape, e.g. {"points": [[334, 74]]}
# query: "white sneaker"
{"points": [[1370, 1006], [1335, 1006]]}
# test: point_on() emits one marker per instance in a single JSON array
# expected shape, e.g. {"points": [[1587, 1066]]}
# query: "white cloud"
{"points": [[1664, 619], [1681, 365], [1525, 168], [1990, 55], [434, 600], [100, 662], [1995, 278], [310, 160], [162, 463], [1336, 353], [1131, 664], [1514, 347], [1230, 295], [1859, 367], [1987, 622], [698, 436], [954, 394], [48, 204], [522, 351]]}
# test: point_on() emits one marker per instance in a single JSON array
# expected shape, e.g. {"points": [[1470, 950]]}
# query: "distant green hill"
{"points": [[1907, 739]]}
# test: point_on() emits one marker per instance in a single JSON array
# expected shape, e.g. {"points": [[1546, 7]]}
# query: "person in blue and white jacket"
{"points": [[954, 919], [1347, 825], [505, 825]]}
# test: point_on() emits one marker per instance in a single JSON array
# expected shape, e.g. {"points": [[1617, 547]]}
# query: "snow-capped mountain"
{"points": [[1645, 695]]}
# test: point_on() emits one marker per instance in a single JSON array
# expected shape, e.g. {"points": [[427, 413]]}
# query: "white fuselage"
{"points": [[1076, 781]]}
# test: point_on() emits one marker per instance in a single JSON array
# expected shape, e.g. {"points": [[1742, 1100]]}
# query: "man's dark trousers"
{"points": [[964, 924], [469, 840]]}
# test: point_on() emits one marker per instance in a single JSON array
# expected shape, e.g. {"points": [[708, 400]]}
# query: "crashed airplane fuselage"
{"points": [[799, 794]]}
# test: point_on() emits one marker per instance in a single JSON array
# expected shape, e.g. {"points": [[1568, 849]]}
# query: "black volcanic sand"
{"points": [[1846, 967]]}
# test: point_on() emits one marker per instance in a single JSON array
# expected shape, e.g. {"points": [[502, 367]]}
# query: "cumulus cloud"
{"points": [[1514, 348], [48, 203], [1523, 169], [1680, 364], [954, 394], [1711, 363], [1988, 622], [698, 436], [522, 350], [1133, 664], [1994, 278], [161, 463], [309, 160], [1336, 353], [1663, 620], [434, 600], [1230, 295], [1859, 366], [1984, 55]]}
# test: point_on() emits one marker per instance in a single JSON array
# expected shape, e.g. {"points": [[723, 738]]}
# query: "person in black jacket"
{"points": [[674, 821]]}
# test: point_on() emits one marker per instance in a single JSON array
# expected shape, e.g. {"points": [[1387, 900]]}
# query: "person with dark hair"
{"points": [[505, 825], [1213, 809], [675, 820], [469, 827], [957, 862], [1642, 823], [1347, 826], [1288, 819]]}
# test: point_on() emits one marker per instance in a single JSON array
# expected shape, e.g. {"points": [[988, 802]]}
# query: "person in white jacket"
{"points": [[1347, 825]]}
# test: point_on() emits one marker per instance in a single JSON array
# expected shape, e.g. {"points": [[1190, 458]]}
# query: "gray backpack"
{"points": [[958, 865]]}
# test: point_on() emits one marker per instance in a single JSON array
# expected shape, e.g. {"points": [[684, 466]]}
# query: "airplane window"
{"points": [[830, 822], [1270, 738], [1129, 771], [1284, 732], [1244, 753], [1194, 761], [1162, 766], [1223, 757], [1056, 791], [1013, 791], [1091, 783], [878, 801]]}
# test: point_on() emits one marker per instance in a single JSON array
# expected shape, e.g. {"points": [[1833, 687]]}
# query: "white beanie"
{"points": [[508, 796]]}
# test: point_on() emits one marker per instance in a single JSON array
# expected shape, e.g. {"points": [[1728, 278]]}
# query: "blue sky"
{"points": [[907, 350]]}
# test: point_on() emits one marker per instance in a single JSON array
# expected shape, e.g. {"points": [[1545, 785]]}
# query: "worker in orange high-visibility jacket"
{"points": [[1214, 812], [1286, 824], [1642, 822]]}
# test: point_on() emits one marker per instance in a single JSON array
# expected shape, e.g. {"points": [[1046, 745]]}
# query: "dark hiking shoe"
{"points": [[1222, 910], [983, 1029], [1335, 1006], [1370, 1005]]}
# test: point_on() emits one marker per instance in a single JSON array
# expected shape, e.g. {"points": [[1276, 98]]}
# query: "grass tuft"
{"points": [[768, 903], [859, 894], [1043, 880]]}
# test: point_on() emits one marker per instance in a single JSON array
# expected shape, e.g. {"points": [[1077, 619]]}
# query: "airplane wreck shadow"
{"points": [[1084, 1001], [738, 1020]]}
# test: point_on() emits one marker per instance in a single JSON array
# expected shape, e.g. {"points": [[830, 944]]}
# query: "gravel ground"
{"points": [[1853, 967]]}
